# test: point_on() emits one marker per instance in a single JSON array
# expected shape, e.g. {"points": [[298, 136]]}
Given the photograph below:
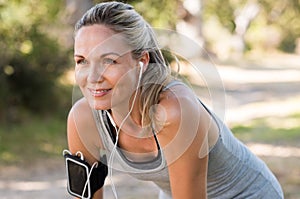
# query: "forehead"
{"points": [[99, 39]]}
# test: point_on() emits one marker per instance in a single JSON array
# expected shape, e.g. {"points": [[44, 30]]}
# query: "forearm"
{"points": [[98, 194]]}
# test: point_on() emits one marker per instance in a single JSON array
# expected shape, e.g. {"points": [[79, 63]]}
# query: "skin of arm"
{"points": [[81, 132], [184, 133]]}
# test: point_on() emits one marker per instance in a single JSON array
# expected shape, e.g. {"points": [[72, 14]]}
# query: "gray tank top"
{"points": [[233, 171]]}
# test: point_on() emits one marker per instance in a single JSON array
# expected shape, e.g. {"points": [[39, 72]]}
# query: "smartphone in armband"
{"points": [[77, 175]]}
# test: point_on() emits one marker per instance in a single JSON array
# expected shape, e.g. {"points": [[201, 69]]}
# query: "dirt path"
{"points": [[250, 92]]}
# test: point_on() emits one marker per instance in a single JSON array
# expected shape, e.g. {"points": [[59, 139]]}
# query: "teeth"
{"points": [[100, 91]]}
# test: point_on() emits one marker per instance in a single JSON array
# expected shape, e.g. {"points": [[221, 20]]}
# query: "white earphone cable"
{"points": [[88, 178]]}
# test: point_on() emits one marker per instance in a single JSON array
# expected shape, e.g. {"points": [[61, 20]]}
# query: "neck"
{"points": [[128, 116]]}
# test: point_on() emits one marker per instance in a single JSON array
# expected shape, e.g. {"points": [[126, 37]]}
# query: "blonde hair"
{"points": [[122, 18]]}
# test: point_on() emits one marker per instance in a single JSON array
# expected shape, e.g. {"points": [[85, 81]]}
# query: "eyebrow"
{"points": [[103, 55]]}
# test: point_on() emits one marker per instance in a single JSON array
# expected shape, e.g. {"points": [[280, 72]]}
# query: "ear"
{"points": [[145, 58]]}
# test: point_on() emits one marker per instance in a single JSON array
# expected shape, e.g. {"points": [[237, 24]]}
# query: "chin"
{"points": [[99, 105]]}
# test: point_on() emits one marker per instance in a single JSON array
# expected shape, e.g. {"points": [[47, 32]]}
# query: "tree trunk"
{"points": [[75, 10], [190, 23]]}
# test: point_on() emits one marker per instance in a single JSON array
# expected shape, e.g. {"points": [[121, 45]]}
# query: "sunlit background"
{"points": [[254, 44]]}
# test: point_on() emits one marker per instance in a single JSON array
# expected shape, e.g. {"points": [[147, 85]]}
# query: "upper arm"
{"points": [[183, 137]]}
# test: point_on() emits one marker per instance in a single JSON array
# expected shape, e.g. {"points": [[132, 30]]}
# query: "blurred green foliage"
{"points": [[31, 61], [223, 10], [160, 13], [282, 16]]}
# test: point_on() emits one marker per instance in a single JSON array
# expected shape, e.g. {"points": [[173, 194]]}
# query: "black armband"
{"points": [[82, 177]]}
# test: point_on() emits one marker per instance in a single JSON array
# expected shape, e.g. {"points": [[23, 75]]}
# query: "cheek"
{"points": [[127, 80], [80, 76], [125, 85]]}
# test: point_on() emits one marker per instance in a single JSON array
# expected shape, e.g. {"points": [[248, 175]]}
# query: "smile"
{"points": [[99, 92]]}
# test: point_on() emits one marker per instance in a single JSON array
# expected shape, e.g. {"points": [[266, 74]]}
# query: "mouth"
{"points": [[99, 92]]}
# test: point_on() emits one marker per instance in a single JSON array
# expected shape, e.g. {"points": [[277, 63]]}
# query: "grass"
{"points": [[33, 139], [271, 130]]}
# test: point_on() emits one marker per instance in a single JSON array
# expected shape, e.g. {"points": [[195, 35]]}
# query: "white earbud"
{"points": [[141, 70], [141, 65]]}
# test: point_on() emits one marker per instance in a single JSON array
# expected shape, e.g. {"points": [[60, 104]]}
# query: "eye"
{"points": [[81, 62], [109, 61]]}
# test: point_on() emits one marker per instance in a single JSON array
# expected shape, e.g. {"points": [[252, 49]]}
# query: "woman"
{"points": [[153, 126]]}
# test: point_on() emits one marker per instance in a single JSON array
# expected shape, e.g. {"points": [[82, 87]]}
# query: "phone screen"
{"points": [[77, 175]]}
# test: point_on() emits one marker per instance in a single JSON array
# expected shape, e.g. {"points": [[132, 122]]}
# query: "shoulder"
{"points": [[81, 128], [176, 103], [80, 107], [81, 113], [180, 112], [81, 117]]}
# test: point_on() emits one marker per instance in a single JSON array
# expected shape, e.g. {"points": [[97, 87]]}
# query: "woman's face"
{"points": [[105, 70]]}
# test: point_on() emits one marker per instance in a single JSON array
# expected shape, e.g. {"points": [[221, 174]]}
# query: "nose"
{"points": [[95, 74]]}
